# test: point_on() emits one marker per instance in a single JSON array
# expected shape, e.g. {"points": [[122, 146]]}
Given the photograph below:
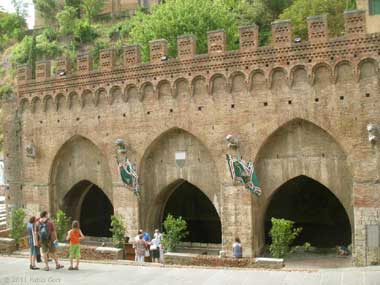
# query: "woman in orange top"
{"points": [[74, 235]]}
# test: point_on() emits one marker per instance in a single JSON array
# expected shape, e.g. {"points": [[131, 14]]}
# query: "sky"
{"points": [[7, 6]]}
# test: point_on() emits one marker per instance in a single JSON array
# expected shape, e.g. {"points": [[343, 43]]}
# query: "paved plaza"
{"points": [[14, 271]]}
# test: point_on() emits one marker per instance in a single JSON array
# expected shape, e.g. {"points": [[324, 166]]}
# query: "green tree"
{"points": [[282, 234], [91, 9], [301, 9], [175, 231], [178, 17]]}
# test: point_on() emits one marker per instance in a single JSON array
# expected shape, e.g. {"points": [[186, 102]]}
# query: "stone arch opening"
{"points": [[300, 147], [87, 203], [174, 156], [77, 160], [189, 202], [313, 207]]}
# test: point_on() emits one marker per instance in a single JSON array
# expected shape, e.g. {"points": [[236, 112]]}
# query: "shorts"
{"points": [[156, 253], [74, 251], [33, 251], [47, 247]]}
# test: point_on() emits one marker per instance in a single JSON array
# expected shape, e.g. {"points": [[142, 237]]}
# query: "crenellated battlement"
{"points": [[282, 59]]}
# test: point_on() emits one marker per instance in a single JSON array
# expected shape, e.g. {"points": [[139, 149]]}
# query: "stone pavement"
{"points": [[14, 270]]}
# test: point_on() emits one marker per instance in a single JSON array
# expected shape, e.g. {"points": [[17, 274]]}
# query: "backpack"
{"points": [[43, 231]]}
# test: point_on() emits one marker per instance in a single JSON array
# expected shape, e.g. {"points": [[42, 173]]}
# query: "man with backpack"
{"points": [[46, 238]]}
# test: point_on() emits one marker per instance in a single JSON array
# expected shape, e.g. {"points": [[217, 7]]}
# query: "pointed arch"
{"points": [[77, 159], [199, 169]]}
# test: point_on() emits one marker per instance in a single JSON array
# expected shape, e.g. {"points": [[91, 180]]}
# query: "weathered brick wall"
{"points": [[298, 109]]}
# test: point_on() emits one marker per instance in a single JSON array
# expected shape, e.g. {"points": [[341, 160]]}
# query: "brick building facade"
{"points": [[300, 111]]}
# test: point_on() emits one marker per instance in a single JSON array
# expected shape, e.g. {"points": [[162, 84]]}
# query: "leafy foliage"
{"points": [[12, 28], [62, 222], [178, 17], [67, 20], [18, 228], [48, 9], [91, 9], [301, 9], [118, 230], [5, 90], [282, 234], [175, 231]]}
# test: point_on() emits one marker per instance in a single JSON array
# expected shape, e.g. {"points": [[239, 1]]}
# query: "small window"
{"points": [[374, 7]]}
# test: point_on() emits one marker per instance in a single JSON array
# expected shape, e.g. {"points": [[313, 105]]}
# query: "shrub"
{"points": [[18, 227], [62, 223], [282, 234], [175, 231], [118, 231]]}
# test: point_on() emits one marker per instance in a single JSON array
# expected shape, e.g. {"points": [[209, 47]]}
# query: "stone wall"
{"points": [[297, 108]]}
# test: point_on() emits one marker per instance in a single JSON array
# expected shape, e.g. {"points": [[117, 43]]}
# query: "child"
{"points": [[75, 235]]}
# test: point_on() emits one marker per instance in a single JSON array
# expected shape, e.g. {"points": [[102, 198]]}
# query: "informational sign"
{"points": [[180, 158]]}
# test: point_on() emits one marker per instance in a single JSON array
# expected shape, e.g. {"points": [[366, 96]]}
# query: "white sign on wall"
{"points": [[180, 158]]}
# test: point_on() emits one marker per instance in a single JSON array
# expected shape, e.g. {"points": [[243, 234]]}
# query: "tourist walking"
{"points": [[140, 249], [47, 237], [237, 248], [74, 235], [31, 228]]}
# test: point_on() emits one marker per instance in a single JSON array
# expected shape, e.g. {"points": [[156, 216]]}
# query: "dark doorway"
{"points": [[314, 208], [96, 212], [197, 210], [87, 203]]}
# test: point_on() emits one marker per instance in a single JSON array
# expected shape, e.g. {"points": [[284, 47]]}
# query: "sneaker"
{"points": [[59, 266]]}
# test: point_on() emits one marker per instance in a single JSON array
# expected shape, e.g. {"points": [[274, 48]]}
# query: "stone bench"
{"points": [[269, 262]]}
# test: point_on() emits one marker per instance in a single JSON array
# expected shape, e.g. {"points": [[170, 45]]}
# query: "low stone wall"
{"points": [[4, 233], [92, 252], [7, 245], [216, 261]]}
